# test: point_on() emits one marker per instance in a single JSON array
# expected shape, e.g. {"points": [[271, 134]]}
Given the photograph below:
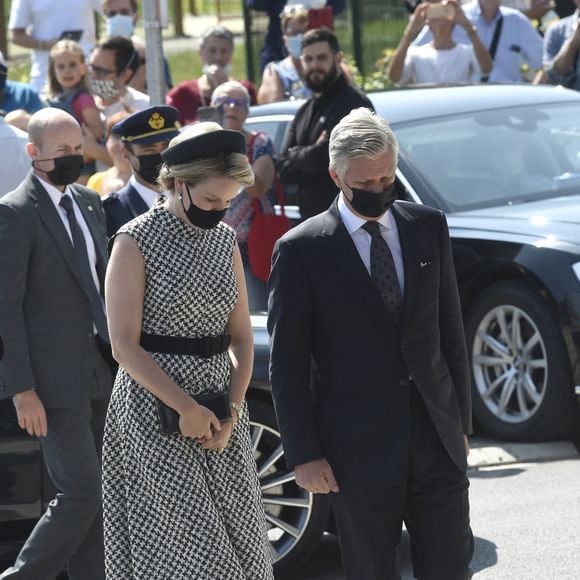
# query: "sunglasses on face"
{"points": [[240, 104]]}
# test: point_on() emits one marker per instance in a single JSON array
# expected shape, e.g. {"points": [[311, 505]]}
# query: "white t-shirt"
{"points": [[48, 19], [131, 102], [425, 64], [14, 161]]}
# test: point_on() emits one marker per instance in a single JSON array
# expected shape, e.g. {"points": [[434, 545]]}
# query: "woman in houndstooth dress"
{"points": [[187, 505]]}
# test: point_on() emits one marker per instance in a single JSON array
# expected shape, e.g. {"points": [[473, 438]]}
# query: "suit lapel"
{"points": [[344, 254], [136, 202], [408, 236], [49, 215]]}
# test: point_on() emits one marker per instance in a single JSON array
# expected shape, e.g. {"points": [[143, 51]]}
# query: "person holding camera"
{"points": [[507, 34], [442, 61]]}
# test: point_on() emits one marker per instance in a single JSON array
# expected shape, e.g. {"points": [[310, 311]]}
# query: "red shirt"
{"points": [[185, 97]]}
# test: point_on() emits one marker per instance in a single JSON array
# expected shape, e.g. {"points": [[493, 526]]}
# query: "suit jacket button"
{"points": [[403, 382]]}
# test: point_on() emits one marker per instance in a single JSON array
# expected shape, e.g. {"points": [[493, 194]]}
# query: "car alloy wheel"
{"points": [[510, 364], [522, 379]]}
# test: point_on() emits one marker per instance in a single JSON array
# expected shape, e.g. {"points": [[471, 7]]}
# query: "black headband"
{"points": [[204, 146]]}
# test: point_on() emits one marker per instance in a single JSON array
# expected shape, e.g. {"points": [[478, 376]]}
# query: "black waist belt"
{"points": [[204, 346]]}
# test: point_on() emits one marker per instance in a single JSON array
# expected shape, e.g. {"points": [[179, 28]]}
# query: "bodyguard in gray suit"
{"points": [[53, 328]]}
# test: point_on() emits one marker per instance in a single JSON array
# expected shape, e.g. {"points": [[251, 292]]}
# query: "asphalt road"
{"points": [[526, 522]]}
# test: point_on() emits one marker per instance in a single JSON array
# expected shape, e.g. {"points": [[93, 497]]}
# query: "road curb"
{"points": [[487, 454]]}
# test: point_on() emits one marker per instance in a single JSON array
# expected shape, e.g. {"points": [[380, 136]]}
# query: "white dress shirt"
{"points": [[14, 161], [149, 196], [55, 196], [362, 239]]}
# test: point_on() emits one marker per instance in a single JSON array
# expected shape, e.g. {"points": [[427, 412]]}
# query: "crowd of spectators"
{"points": [[99, 83]]}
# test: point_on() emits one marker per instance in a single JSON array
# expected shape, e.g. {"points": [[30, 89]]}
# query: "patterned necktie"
{"points": [[383, 271], [82, 258]]}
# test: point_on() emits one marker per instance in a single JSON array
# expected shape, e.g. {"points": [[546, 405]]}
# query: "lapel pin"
{"points": [[90, 207]]}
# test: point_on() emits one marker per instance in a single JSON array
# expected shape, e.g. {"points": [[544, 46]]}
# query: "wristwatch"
{"points": [[237, 407]]}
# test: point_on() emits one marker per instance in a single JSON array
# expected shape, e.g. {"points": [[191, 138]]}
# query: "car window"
{"points": [[495, 157]]}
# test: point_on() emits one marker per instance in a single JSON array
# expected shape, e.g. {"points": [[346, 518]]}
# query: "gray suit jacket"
{"points": [[46, 323]]}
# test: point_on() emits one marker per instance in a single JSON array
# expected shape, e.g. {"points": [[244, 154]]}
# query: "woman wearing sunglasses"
{"points": [[234, 100]]}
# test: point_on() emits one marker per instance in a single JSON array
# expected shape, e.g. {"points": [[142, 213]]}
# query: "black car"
{"points": [[503, 162]]}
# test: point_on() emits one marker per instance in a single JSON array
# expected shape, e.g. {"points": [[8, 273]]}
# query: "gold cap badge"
{"points": [[156, 122]]}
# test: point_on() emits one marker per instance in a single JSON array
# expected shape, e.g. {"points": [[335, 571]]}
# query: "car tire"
{"points": [[296, 518], [522, 382]]}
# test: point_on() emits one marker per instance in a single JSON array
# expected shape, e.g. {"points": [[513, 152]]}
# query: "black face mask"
{"points": [[371, 204], [149, 166], [66, 170], [206, 219]]}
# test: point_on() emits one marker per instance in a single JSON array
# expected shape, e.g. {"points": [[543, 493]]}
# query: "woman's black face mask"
{"points": [[205, 219]]}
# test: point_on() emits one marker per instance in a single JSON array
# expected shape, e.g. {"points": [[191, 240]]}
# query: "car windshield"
{"points": [[496, 157]]}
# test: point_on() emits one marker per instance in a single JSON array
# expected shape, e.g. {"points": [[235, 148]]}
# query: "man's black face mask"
{"points": [[67, 169], [371, 204], [149, 166]]}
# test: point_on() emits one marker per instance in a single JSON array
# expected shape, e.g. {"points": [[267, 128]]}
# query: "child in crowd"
{"points": [[67, 90], [117, 176]]}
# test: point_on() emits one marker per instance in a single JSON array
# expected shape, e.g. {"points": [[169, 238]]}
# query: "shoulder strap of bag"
{"points": [[496, 36], [494, 43], [280, 198]]}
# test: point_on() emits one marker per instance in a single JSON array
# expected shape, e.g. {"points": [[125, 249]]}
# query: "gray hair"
{"points": [[216, 32], [361, 133], [227, 87], [233, 165]]}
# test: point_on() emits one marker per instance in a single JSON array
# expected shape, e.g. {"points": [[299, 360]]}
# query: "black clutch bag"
{"points": [[218, 403]]}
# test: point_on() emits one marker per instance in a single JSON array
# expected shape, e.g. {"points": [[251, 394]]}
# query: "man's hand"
{"points": [[575, 38], [459, 16], [322, 137], [417, 21], [31, 414], [316, 477], [466, 441], [216, 75]]}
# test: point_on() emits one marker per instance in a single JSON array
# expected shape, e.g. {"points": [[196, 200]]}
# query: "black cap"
{"points": [[148, 126], [205, 145]]}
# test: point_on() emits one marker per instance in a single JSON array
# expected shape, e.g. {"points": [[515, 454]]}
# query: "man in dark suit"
{"points": [[145, 135], [56, 344], [304, 158], [369, 367]]}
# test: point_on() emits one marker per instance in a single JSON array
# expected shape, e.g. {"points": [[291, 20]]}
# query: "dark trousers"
{"points": [[70, 533], [433, 502]]}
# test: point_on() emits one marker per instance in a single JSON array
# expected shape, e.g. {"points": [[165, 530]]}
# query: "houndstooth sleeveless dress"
{"points": [[172, 510]]}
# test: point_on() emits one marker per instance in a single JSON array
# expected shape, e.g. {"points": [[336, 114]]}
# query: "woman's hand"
{"points": [[198, 422], [219, 439]]}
